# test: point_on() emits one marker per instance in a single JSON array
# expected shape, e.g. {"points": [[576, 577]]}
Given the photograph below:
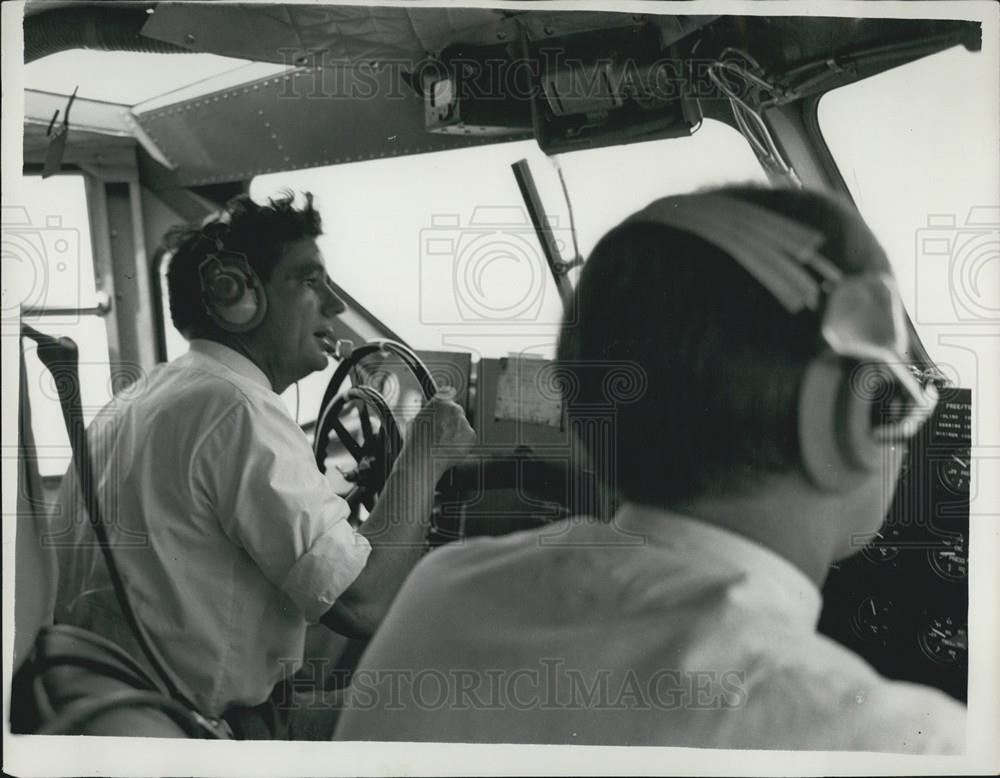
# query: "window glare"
{"points": [[440, 248], [131, 77], [48, 261], [46, 236], [916, 146]]}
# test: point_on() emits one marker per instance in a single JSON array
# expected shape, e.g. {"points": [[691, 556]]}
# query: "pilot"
{"points": [[749, 453], [229, 538]]}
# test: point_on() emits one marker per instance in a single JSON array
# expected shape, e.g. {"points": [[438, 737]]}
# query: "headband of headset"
{"points": [[862, 315]]}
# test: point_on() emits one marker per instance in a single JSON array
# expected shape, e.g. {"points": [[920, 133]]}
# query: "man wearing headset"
{"points": [[229, 538], [746, 463]]}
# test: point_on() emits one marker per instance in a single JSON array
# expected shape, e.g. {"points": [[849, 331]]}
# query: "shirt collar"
{"points": [[774, 580], [232, 359]]}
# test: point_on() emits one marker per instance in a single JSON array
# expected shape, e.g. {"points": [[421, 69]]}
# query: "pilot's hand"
{"points": [[441, 433]]}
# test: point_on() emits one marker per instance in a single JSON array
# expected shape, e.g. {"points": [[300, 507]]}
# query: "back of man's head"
{"points": [[260, 233], [723, 360]]}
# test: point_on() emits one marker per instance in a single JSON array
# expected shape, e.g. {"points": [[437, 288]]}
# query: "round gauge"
{"points": [[874, 618], [944, 641], [951, 559], [884, 548], [954, 471]]}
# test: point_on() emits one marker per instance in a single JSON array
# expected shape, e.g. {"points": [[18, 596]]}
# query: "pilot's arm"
{"points": [[439, 438], [256, 471]]}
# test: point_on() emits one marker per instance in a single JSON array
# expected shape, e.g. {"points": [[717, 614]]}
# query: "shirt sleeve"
{"points": [[256, 472]]}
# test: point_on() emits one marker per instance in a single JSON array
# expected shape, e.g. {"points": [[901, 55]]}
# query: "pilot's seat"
{"points": [[68, 680]]}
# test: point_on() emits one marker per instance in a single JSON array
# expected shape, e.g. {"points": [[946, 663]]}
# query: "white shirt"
{"points": [[229, 537], [652, 630]]}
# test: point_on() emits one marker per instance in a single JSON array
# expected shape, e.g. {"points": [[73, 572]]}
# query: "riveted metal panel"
{"points": [[308, 117], [284, 33]]}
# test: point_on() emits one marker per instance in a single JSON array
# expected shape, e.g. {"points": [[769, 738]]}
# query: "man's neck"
{"points": [[240, 345], [803, 528]]}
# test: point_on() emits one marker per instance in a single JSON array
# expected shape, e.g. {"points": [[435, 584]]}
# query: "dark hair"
{"points": [[722, 360], [259, 232]]}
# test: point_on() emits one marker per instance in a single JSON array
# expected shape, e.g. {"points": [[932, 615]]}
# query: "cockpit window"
{"points": [[915, 146], [47, 248], [141, 79], [441, 249]]}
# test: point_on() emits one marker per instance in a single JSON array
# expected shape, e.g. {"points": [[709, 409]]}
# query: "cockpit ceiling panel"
{"points": [[84, 148], [291, 34], [309, 117]]}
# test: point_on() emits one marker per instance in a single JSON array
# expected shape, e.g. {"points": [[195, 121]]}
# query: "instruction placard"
{"points": [[526, 393]]}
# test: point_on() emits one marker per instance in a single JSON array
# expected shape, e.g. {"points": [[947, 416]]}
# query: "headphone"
{"points": [[231, 291], [859, 395]]}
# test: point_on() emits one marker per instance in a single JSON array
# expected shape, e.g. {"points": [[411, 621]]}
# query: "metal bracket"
{"points": [[57, 142], [533, 202]]}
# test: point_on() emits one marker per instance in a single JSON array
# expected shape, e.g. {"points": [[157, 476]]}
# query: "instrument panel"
{"points": [[902, 602]]}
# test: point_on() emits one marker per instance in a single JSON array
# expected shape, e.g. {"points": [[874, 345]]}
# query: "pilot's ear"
{"points": [[837, 443]]}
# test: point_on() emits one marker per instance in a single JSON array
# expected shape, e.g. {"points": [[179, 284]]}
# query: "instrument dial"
{"points": [[874, 618], [944, 641], [951, 559], [955, 471], [884, 550]]}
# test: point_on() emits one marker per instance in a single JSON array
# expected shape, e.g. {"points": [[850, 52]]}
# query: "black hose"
{"points": [[90, 27], [75, 717]]}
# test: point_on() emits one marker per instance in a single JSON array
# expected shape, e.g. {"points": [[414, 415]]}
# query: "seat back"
{"points": [[35, 569], [69, 680], [76, 682]]}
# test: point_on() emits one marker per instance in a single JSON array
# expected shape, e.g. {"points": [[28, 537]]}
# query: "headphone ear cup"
{"points": [[240, 315], [234, 296], [861, 389], [226, 288], [835, 432]]}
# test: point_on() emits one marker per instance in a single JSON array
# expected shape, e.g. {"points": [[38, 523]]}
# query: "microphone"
{"points": [[343, 348]]}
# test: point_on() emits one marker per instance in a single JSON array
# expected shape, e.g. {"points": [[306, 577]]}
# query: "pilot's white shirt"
{"points": [[229, 536], [652, 630]]}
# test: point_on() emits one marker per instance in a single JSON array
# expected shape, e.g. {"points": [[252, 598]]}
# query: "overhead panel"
{"points": [[348, 101], [84, 148], [307, 117], [277, 33], [287, 33], [345, 95], [99, 133]]}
